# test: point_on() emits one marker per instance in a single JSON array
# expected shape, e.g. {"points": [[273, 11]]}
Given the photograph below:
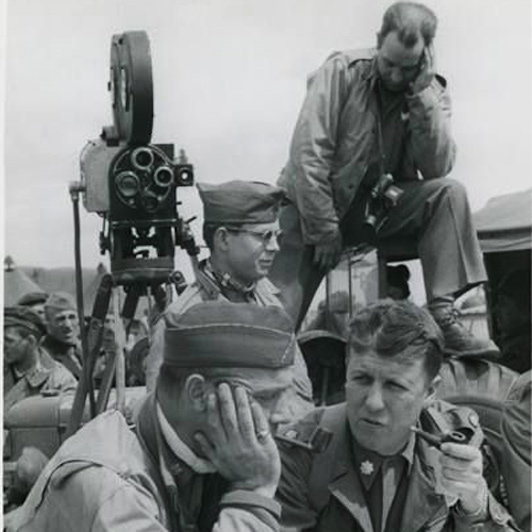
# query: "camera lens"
{"points": [[128, 184], [163, 176], [142, 158]]}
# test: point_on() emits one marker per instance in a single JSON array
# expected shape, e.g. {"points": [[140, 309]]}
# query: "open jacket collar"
{"points": [[422, 503]]}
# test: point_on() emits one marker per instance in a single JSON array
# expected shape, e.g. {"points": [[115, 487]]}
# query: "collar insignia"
{"points": [[367, 467]]}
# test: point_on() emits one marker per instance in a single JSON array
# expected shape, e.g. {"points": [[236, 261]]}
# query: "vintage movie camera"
{"points": [[131, 183], [383, 195]]}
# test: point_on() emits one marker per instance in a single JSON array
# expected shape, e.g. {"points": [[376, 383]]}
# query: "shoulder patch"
{"points": [[306, 435]]}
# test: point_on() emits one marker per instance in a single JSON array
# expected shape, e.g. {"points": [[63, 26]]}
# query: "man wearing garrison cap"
{"points": [[35, 301], [29, 369], [201, 457], [241, 230], [62, 338]]}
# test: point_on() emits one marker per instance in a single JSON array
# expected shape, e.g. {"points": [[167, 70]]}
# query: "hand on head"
{"points": [[238, 442], [426, 71]]}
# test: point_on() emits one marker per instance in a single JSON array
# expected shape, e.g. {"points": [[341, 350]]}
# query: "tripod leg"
{"points": [[106, 385], [94, 342], [116, 366]]}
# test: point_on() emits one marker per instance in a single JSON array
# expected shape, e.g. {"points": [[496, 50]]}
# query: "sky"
{"points": [[229, 78]]}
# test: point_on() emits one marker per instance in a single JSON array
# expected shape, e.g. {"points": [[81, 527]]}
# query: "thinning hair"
{"points": [[411, 21], [399, 330]]}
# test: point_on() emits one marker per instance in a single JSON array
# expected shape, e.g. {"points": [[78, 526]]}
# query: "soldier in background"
{"points": [[28, 371], [34, 301], [62, 339], [28, 368], [517, 449]]}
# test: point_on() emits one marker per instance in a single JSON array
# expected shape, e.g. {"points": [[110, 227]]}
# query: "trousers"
{"points": [[434, 214]]}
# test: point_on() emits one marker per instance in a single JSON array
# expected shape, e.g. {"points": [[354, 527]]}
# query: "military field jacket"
{"points": [[331, 499], [103, 480], [338, 130], [48, 377]]}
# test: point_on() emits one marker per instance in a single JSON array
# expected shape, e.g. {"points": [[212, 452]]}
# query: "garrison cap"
{"points": [[224, 334], [19, 316], [60, 301], [240, 202], [32, 298]]}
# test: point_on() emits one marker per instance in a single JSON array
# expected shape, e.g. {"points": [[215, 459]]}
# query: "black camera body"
{"points": [[142, 183], [383, 196], [131, 183]]}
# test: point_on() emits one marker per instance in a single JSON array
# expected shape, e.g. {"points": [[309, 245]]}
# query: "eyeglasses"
{"points": [[264, 236]]}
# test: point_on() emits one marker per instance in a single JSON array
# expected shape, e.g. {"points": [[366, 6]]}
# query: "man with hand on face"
{"points": [[62, 338], [241, 229], [378, 473], [370, 115], [201, 457]]}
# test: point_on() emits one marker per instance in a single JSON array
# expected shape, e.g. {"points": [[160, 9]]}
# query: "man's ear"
{"points": [[32, 340], [432, 389], [221, 238], [196, 391]]}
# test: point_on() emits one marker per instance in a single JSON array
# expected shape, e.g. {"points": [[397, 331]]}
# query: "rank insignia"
{"points": [[367, 467]]}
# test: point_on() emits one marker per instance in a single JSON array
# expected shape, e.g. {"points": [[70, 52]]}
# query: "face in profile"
{"points": [[268, 387], [16, 346], [251, 251]]}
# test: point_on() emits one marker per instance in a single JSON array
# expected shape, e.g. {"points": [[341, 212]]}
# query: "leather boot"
{"points": [[459, 342]]}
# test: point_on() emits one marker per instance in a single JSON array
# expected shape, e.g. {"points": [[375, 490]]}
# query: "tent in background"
{"points": [[16, 283], [505, 223]]}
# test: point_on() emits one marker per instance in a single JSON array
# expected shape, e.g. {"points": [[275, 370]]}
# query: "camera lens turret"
{"points": [[142, 158], [128, 184], [163, 176]]}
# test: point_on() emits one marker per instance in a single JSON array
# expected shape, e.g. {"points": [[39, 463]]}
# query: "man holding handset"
{"points": [[369, 118]]}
